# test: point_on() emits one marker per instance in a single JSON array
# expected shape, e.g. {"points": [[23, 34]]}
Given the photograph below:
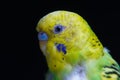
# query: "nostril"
{"points": [[41, 33], [42, 36]]}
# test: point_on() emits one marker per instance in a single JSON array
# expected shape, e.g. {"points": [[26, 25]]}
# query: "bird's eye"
{"points": [[58, 29]]}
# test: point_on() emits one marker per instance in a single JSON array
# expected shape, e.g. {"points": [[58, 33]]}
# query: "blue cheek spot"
{"points": [[61, 47], [64, 49], [42, 36]]}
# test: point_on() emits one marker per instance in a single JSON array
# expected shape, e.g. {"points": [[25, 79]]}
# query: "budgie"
{"points": [[72, 50]]}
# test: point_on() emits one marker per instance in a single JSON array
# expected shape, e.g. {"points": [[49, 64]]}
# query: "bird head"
{"points": [[66, 39]]}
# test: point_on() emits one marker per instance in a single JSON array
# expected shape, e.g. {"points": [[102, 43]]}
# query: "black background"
{"points": [[22, 58]]}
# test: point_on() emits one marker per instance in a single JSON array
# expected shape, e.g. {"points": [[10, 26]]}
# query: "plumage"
{"points": [[72, 50]]}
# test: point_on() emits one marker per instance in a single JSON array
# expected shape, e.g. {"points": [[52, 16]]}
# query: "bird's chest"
{"points": [[78, 73]]}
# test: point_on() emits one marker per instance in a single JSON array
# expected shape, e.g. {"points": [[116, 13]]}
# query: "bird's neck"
{"points": [[77, 73]]}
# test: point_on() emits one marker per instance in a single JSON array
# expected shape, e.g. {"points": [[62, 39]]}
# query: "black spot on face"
{"points": [[93, 45], [62, 58], [98, 44], [97, 41], [54, 65]]}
